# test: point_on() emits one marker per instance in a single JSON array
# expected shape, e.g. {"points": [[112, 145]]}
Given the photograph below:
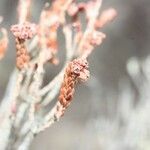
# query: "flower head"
{"points": [[24, 31]]}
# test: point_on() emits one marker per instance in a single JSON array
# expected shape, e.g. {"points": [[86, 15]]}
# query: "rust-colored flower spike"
{"points": [[77, 70], [23, 32]]}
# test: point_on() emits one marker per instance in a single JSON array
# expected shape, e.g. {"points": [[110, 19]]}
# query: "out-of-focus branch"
{"points": [[3, 41]]}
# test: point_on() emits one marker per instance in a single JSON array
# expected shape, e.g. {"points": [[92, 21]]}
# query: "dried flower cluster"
{"points": [[37, 45], [76, 70], [22, 32]]}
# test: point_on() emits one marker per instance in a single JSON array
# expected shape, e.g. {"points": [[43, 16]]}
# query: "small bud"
{"points": [[106, 16]]}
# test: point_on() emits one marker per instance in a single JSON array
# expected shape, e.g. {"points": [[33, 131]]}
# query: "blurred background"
{"points": [[111, 111]]}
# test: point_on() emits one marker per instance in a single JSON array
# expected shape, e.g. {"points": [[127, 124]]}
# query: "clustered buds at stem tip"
{"points": [[23, 32]]}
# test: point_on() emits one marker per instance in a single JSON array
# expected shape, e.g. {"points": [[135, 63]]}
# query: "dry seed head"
{"points": [[23, 32], [79, 68], [76, 70]]}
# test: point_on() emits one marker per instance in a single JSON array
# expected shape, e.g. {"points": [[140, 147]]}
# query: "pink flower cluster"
{"points": [[24, 31]]}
